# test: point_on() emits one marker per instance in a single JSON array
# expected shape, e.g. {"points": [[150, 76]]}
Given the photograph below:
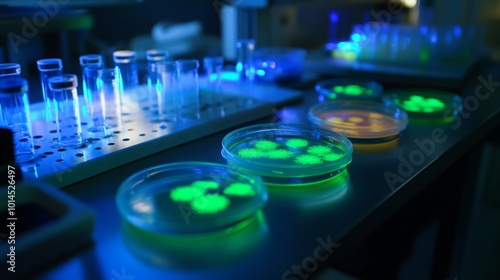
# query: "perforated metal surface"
{"points": [[138, 136]]}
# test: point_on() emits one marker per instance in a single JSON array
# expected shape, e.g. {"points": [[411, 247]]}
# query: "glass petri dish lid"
{"points": [[362, 121], [346, 88], [190, 198], [421, 103], [287, 154]]}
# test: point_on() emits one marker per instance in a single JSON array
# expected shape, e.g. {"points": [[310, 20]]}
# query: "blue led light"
{"points": [[261, 72]]}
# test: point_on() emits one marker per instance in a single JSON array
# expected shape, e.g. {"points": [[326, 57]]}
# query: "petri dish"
{"points": [[190, 198], [287, 155], [425, 104], [362, 121], [348, 89]]}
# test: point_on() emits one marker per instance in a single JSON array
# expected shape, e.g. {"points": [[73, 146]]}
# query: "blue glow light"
{"points": [[261, 72], [356, 37], [334, 17], [230, 76]]}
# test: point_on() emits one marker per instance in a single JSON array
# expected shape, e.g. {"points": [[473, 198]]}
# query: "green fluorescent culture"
{"points": [[209, 204], [418, 103], [266, 145], [280, 154], [239, 189], [319, 150], [296, 149], [308, 159], [296, 143], [352, 90], [202, 202], [250, 153]]}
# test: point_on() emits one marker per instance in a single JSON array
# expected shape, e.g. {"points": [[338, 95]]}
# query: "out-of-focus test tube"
{"points": [[88, 60], [166, 89], [64, 96], [153, 56], [8, 71], [188, 97], [108, 88], [244, 55], [16, 115], [106, 110], [213, 69], [48, 67], [128, 77]]}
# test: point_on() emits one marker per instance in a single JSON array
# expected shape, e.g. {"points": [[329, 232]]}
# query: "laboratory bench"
{"points": [[297, 234]]}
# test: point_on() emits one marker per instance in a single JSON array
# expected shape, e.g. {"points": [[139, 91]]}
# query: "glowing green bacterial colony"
{"points": [[296, 149], [204, 197], [417, 103], [352, 90]]}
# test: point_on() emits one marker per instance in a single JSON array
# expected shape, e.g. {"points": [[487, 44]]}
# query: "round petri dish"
{"points": [[427, 104], [190, 198], [348, 89], [359, 120], [287, 154]]}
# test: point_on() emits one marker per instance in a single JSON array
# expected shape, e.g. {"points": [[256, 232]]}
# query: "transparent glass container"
{"points": [[48, 67], [15, 112], [188, 95], [64, 96], [190, 198]]}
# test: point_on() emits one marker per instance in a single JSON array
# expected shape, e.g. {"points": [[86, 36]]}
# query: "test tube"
{"points": [[153, 56], [16, 115], [109, 89], [64, 96], [48, 67], [87, 60], [213, 70], [128, 76], [187, 98], [166, 89], [109, 97], [244, 55], [8, 71]]}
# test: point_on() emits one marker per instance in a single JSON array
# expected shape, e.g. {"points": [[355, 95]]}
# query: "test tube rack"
{"points": [[138, 136]]}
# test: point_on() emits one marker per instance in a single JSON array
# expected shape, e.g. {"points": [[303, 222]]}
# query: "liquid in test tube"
{"points": [[213, 70], [188, 96], [245, 61]]}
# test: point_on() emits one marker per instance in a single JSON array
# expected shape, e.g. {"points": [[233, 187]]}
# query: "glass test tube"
{"points": [[88, 60], [244, 55], [128, 77], [153, 56], [166, 89], [108, 88], [8, 71], [16, 115], [213, 70], [48, 67], [188, 97], [64, 97], [104, 99]]}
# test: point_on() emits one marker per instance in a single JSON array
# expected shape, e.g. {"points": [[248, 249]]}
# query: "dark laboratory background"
{"points": [[437, 231]]}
